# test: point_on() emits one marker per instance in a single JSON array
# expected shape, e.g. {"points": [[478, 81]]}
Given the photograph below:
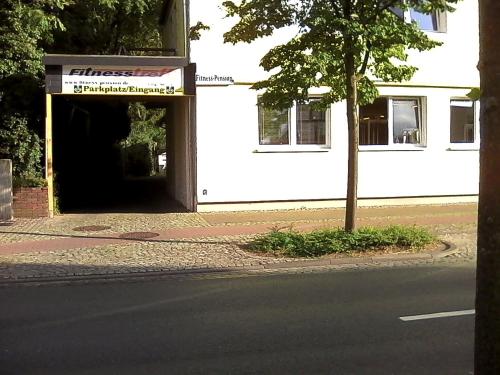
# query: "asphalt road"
{"points": [[322, 323]]}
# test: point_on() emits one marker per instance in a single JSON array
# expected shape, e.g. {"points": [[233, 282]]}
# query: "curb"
{"points": [[449, 249]]}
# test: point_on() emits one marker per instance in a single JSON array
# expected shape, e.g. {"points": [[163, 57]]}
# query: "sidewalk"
{"points": [[118, 244]]}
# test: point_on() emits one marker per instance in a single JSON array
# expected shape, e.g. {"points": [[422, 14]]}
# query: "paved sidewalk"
{"points": [[181, 242]]}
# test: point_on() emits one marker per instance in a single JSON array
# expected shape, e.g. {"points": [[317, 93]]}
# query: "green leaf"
{"points": [[325, 32], [474, 94]]}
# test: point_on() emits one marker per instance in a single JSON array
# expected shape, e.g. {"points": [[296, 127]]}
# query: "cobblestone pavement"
{"points": [[201, 252], [43, 229]]}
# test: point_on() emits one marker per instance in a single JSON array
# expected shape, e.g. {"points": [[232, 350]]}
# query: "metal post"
{"points": [[49, 173]]}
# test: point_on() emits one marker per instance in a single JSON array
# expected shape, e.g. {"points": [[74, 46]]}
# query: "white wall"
{"points": [[232, 167], [453, 63], [179, 152]]}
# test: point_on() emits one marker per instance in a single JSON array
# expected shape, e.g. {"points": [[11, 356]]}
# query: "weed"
{"points": [[327, 241]]}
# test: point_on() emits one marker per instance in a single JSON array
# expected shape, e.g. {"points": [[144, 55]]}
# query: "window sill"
{"points": [[441, 32], [392, 148], [463, 147], [290, 149]]}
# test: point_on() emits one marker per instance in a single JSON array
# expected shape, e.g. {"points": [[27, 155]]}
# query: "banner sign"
{"points": [[109, 80]]}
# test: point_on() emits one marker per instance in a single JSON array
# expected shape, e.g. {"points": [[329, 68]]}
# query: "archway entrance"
{"points": [[96, 161]]}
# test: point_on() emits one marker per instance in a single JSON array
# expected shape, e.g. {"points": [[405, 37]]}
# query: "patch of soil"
{"points": [[138, 235], [92, 228], [391, 250]]}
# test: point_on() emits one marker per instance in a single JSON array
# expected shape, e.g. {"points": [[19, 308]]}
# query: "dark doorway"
{"points": [[96, 170]]}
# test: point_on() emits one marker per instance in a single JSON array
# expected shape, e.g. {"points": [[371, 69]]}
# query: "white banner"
{"points": [[109, 80]]}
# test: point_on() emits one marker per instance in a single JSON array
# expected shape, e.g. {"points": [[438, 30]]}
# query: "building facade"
{"points": [[419, 142]]}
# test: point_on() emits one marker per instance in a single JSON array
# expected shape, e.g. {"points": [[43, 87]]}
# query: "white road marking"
{"points": [[446, 314]]}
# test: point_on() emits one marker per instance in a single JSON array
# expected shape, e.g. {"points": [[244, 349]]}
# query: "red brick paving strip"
{"points": [[221, 218]]}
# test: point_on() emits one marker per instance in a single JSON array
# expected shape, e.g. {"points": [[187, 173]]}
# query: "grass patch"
{"points": [[328, 241]]}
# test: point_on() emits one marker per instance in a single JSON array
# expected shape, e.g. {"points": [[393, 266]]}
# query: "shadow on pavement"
{"points": [[115, 238], [32, 273]]}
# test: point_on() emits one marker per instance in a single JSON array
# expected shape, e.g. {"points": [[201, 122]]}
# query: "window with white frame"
{"points": [[463, 121], [434, 21], [304, 124], [274, 126], [391, 121]]}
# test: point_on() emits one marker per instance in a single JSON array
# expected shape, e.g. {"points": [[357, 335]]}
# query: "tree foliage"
{"points": [[19, 143], [148, 126], [325, 32], [340, 45], [108, 26], [25, 28], [195, 31], [146, 139], [31, 28]]}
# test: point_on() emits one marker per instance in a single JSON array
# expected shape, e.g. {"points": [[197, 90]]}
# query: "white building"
{"points": [[420, 140]]}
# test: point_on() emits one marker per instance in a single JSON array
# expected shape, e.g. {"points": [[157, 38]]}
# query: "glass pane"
{"points": [[373, 128], [427, 22], [273, 127], [406, 121], [398, 12], [311, 125], [462, 121]]}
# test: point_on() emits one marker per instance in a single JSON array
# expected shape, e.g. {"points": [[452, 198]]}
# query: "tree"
{"points": [[21, 145], [487, 335], [147, 129], [26, 26], [108, 27], [30, 29], [195, 31], [341, 45]]}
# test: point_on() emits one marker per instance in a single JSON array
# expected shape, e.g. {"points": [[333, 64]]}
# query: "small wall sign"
{"points": [[214, 80]]}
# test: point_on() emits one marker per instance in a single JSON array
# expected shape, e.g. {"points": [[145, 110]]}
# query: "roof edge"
{"points": [[114, 60]]}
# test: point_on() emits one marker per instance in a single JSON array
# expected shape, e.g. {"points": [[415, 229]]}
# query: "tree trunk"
{"points": [[487, 335], [353, 135]]}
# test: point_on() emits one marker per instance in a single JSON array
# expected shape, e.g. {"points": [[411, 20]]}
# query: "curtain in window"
{"points": [[462, 121], [406, 121], [373, 129], [273, 127], [311, 125]]}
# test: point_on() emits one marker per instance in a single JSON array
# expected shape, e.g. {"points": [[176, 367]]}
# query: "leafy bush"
{"points": [[327, 241], [29, 182], [21, 144]]}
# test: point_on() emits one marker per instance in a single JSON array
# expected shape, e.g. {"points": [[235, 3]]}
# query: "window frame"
{"points": [[441, 20], [457, 146], [289, 115], [293, 146], [392, 146]]}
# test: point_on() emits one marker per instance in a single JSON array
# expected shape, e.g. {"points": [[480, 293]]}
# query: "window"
{"points": [[428, 22], [389, 121], [435, 21], [274, 127], [311, 125], [462, 121], [302, 125]]}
